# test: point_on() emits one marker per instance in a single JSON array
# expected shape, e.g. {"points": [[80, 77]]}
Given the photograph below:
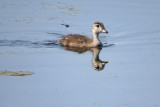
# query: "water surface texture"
{"points": [[125, 74]]}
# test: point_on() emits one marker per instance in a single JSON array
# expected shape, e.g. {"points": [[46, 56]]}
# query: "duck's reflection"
{"points": [[97, 64]]}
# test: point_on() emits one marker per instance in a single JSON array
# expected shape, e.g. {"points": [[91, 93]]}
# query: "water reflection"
{"points": [[97, 64]]}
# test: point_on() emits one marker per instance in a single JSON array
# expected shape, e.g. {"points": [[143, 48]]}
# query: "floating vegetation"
{"points": [[17, 73]]}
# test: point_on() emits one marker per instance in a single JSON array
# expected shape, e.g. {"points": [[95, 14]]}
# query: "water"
{"points": [[29, 29]]}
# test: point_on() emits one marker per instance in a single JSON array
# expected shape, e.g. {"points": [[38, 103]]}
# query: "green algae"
{"points": [[15, 73]]}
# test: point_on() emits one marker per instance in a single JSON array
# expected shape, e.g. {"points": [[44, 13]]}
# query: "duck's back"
{"points": [[75, 40]]}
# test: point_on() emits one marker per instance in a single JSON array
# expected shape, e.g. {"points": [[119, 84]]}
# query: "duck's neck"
{"points": [[96, 40]]}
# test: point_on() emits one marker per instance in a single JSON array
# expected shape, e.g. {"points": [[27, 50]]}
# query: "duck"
{"points": [[77, 40]]}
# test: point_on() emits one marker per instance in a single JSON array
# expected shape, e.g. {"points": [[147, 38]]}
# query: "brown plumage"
{"points": [[75, 40]]}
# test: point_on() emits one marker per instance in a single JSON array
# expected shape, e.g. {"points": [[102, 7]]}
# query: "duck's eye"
{"points": [[97, 25]]}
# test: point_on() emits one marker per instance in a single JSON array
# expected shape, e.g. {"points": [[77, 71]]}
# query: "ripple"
{"points": [[38, 44]]}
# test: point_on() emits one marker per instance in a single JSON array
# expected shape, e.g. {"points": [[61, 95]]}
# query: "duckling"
{"points": [[76, 40]]}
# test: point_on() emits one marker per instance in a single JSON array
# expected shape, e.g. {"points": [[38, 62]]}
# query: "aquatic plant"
{"points": [[15, 73]]}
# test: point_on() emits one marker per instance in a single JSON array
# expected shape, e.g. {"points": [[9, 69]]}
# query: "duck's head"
{"points": [[98, 27]]}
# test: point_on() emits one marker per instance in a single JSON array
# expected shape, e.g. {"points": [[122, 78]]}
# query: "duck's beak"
{"points": [[104, 31]]}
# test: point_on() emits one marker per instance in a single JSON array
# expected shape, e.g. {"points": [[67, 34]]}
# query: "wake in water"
{"points": [[38, 44]]}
